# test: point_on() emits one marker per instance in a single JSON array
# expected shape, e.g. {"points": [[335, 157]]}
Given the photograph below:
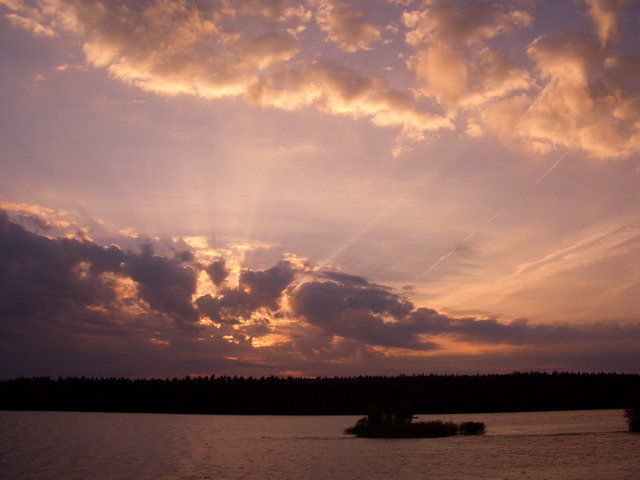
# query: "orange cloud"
{"points": [[338, 90], [588, 101], [30, 24], [344, 27], [41, 217], [451, 59], [557, 92], [234, 49], [605, 17]]}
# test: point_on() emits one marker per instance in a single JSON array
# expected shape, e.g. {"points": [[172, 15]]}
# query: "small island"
{"points": [[387, 420]]}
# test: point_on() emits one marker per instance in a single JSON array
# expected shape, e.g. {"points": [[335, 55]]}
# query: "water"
{"points": [[582, 445]]}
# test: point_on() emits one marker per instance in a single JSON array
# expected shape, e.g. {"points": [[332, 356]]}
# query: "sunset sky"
{"points": [[319, 187]]}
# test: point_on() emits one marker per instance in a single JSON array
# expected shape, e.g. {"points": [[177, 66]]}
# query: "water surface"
{"points": [[580, 445]]}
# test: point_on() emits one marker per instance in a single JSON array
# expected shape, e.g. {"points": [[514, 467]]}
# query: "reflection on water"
{"points": [[584, 445]]}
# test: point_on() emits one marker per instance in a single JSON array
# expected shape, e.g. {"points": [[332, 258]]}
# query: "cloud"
{"points": [[351, 307], [212, 50], [165, 284], [589, 101], [73, 299], [41, 217], [605, 17], [180, 47], [30, 24], [473, 64], [461, 23], [233, 49], [344, 27], [400, 3], [452, 60], [74, 280], [356, 310], [218, 271], [265, 287], [338, 90], [576, 96]]}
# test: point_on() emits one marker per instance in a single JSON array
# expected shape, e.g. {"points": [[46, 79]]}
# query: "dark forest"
{"points": [[324, 396]]}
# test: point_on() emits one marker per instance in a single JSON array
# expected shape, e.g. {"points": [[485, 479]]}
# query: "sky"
{"points": [[319, 187]]}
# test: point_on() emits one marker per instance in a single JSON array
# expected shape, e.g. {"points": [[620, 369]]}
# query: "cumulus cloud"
{"points": [[211, 49], [356, 309], [605, 17], [452, 59], [576, 96], [217, 271], [41, 217], [30, 24], [339, 90], [76, 281], [589, 100], [481, 63], [230, 49], [345, 27], [180, 47]]}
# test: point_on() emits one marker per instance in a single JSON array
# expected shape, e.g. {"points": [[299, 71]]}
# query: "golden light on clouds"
{"points": [[208, 51]]}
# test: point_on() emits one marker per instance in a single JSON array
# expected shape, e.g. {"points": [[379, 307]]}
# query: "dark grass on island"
{"points": [[432, 429]]}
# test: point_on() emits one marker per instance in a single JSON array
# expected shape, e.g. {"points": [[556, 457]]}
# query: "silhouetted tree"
{"points": [[326, 396], [633, 419]]}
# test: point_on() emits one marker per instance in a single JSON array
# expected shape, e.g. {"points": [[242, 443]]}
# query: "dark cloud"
{"points": [[36, 220], [210, 306], [55, 278], [346, 279], [166, 284], [266, 286], [217, 271], [40, 276], [257, 328], [355, 308], [68, 305]]}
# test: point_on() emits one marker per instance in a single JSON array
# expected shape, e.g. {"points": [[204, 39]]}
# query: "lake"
{"points": [[580, 445]]}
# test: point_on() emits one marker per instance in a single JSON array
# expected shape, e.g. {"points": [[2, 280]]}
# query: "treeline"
{"points": [[324, 396]]}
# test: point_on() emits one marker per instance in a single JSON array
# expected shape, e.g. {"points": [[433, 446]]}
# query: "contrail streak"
{"points": [[551, 168], [453, 250], [472, 234]]}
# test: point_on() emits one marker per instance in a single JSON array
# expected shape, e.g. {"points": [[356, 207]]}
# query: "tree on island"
{"points": [[387, 412]]}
